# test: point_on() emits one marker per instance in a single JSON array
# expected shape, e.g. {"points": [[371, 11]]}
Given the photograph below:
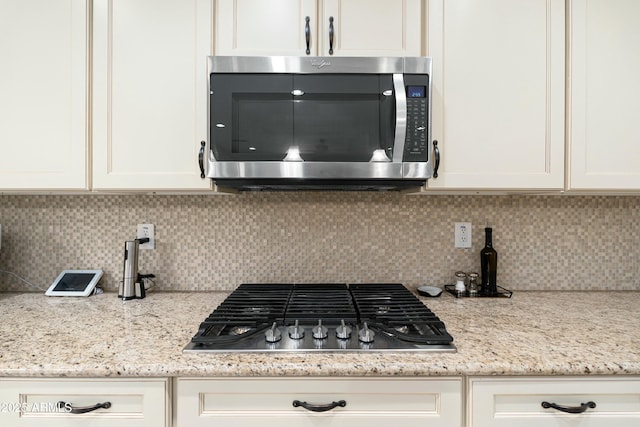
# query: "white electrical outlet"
{"points": [[147, 230], [462, 234]]}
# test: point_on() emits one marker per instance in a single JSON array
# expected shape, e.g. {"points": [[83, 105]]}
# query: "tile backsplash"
{"points": [[218, 242]]}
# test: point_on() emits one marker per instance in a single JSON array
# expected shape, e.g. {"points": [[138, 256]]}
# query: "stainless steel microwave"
{"points": [[281, 123]]}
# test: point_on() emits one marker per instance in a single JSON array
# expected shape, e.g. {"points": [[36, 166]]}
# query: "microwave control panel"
{"points": [[416, 146]]}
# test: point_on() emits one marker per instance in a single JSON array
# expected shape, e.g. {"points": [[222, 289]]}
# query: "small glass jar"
{"points": [[472, 288], [460, 288]]}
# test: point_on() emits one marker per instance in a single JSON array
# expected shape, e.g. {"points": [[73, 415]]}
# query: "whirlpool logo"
{"points": [[320, 63]]}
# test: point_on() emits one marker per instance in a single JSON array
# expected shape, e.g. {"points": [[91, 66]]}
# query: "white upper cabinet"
{"points": [[348, 27], [150, 93], [258, 27], [43, 94], [370, 28], [604, 136], [498, 93]]}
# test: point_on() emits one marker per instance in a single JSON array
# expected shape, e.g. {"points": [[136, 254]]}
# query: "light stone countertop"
{"points": [[533, 333]]}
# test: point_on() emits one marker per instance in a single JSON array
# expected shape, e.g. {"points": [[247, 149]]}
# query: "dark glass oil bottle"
{"points": [[489, 266]]}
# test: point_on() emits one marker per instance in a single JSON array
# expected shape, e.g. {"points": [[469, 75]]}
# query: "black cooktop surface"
{"points": [[321, 317]]}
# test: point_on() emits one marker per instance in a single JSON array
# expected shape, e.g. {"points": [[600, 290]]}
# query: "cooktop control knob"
{"points": [[343, 331], [365, 334], [320, 332], [273, 334], [296, 332]]}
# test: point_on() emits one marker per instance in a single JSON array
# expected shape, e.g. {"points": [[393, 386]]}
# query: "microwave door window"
{"points": [[251, 116], [262, 126], [343, 118]]}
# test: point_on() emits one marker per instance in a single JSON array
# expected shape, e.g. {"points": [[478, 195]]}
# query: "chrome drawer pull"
{"points": [[82, 409], [570, 409], [319, 408]]}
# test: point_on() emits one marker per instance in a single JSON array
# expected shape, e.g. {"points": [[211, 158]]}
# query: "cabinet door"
{"points": [[124, 402], [43, 94], [604, 137], [150, 93], [371, 28], [360, 27], [498, 93], [258, 27], [498, 402], [368, 402]]}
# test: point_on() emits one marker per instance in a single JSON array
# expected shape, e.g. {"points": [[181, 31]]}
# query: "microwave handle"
{"points": [[401, 118]]}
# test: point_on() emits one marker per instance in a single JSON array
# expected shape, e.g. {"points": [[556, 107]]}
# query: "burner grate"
{"points": [[393, 308], [248, 309], [401, 320], [329, 302], [253, 303]]}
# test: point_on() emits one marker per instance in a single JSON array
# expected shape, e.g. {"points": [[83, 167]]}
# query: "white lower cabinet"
{"points": [[370, 402], [352, 402], [132, 402], [496, 402]]}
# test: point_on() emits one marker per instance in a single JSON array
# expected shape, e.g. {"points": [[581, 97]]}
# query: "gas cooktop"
{"points": [[321, 317]]}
